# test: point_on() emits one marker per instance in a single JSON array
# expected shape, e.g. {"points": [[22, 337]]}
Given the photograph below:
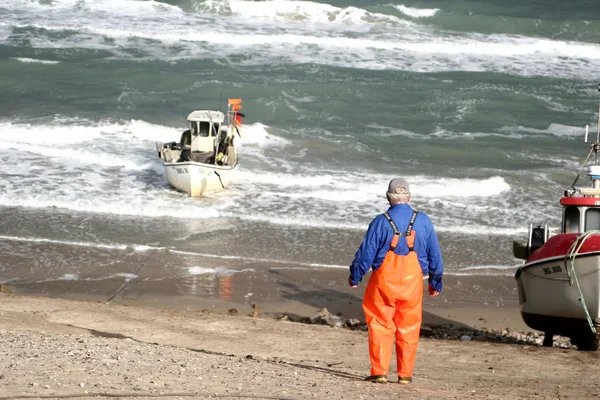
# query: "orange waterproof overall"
{"points": [[393, 306]]}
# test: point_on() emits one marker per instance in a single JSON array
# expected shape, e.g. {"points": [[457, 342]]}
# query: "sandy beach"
{"points": [[130, 326], [65, 348]]}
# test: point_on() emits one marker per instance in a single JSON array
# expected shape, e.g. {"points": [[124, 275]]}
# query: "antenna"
{"points": [[586, 133], [598, 134], [221, 95]]}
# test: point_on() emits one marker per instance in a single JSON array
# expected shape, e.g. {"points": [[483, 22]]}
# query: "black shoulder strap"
{"points": [[411, 223], [395, 228], [392, 223]]}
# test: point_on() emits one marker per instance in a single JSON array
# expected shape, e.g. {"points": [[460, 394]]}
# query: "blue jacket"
{"points": [[379, 236]]}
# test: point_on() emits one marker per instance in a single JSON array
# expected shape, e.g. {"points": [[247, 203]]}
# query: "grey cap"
{"points": [[398, 186]]}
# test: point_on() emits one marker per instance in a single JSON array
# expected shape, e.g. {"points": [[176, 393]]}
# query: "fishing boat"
{"points": [[559, 281], [206, 157]]}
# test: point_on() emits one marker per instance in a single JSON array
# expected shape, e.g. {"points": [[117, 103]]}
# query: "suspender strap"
{"points": [[392, 223], [410, 237], [411, 223], [395, 229]]}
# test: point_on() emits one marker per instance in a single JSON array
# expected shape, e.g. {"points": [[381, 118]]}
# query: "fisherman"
{"points": [[393, 298], [186, 145]]}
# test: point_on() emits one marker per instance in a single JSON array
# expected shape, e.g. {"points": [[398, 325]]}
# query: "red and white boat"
{"points": [[559, 281]]}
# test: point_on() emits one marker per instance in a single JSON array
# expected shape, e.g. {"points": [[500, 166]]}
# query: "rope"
{"points": [[143, 264], [571, 255]]}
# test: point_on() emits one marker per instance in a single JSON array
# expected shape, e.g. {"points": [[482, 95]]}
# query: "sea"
{"points": [[482, 106]]}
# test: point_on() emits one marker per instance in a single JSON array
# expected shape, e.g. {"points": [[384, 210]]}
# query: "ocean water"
{"points": [[481, 106]]}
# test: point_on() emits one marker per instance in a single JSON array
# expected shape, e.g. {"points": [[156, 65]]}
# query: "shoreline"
{"points": [[475, 301], [483, 308]]}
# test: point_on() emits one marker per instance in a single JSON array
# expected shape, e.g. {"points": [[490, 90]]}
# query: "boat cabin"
{"points": [[205, 127], [581, 213]]}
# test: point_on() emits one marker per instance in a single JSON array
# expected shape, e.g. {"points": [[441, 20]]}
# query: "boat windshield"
{"points": [[573, 220], [204, 128], [592, 219]]}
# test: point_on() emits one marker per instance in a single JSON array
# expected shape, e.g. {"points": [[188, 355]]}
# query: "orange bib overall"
{"points": [[393, 306]]}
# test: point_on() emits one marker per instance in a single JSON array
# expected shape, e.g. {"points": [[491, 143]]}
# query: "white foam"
{"points": [[74, 131], [118, 7], [47, 134], [304, 221], [487, 267], [196, 270], [73, 165], [75, 142], [416, 12], [256, 134], [62, 242], [478, 230], [281, 179], [478, 273], [297, 12], [91, 201], [286, 9], [300, 32], [74, 156], [70, 277], [366, 186], [439, 133], [127, 275], [327, 200], [5, 32], [467, 187], [146, 131], [335, 221], [35, 61], [73, 162], [219, 271], [570, 131], [554, 129]]}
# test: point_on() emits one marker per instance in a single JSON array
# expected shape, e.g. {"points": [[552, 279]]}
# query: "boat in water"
{"points": [[559, 281], [206, 157]]}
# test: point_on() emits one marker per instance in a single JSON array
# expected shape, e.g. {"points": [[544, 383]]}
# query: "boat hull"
{"points": [[197, 179], [548, 298]]}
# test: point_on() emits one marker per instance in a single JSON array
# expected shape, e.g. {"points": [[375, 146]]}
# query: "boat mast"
{"points": [[594, 170]]}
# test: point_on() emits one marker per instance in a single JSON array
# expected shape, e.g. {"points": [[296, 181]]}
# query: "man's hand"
{"points": [[352, 285], [432, 291]]}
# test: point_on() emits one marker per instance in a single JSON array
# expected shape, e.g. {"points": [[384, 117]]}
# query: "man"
{"points": [[186, 146], [394, 295], [186, 138]]}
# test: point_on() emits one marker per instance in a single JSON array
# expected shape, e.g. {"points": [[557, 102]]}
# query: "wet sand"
{"points": [[473, 301]]}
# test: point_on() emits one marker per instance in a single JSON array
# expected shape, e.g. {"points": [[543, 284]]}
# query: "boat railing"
{"points": [[537, 235]]}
